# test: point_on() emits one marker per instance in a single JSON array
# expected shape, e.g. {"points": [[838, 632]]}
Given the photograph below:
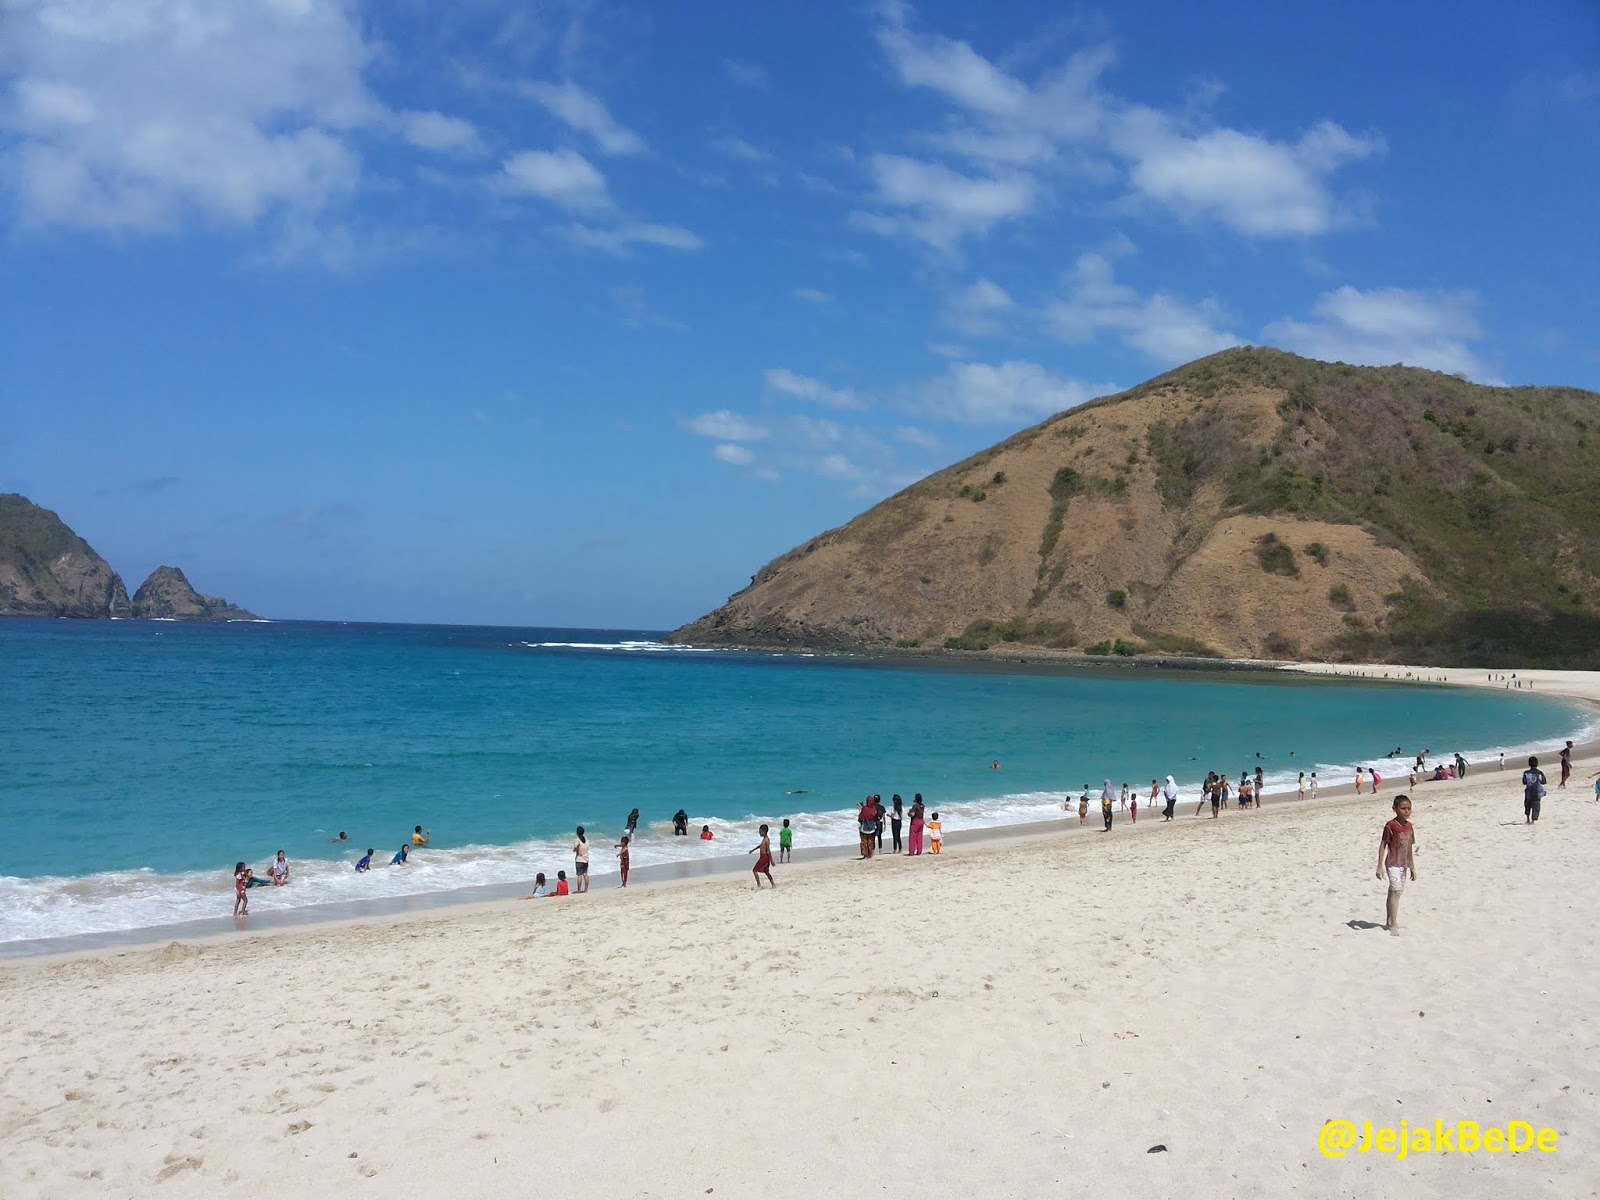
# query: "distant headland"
{"points": [[47, 570]]}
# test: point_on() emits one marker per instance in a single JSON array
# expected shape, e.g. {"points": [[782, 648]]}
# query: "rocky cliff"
{"points": [[168, 595], [1251, 504], [46, 570]]}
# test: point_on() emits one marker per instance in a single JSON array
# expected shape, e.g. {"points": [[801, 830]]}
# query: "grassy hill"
{"points": [[1252, 503]]}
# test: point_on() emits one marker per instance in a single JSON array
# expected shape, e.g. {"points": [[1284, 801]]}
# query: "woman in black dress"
{"points": [[896, 816]]}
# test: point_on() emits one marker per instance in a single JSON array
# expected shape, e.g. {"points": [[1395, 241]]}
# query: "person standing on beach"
{"points": [[1376, 780], [866, 824], [1302, 794], [1313, 785], [1170, 793], [1360, 779], [1155, 791], [1122, 801], [897, 818], [877, 828], [580, 860], [1107, 799], [1083, 806], [914, 832], [1217, 785], [1533, 782], [786, 841], [1397, 849], [935, 833], [764, 863], [1133, 806], [241, 890], [622, 858], [1461, 766], [1566, 764]]}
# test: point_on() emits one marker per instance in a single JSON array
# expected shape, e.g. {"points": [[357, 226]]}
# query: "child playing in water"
{"points": [[1083, 806], [935, 833], [785, 841]]}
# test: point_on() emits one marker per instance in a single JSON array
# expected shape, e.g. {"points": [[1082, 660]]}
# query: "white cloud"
{"points": [[977, 393], [976, 309], [584, 112], [746, 74], [139, 117], [440, 133], [733, 455], [1163, 326], [726, 426], [735, 147], [802, 387], [562, 177], [1389, 325], [1256, 185], [811, 295], [938, 205], [949, 67], [920, 439], [618, 238]]}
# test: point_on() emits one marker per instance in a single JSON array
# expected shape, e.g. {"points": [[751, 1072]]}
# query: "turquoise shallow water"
{"points": [[141, 759]]}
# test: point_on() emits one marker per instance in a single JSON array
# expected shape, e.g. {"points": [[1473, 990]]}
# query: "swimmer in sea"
{"points": [[401, 856], [364, 863], [419, 837]]}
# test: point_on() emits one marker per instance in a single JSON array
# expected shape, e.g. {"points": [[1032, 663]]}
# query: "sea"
{"points": [[139, 760]]}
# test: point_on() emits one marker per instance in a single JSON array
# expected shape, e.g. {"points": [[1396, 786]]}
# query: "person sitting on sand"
{"points": [[562, 888], [420, 838], [1438, 773], [402, 856], [364, 863], [539, 888]]}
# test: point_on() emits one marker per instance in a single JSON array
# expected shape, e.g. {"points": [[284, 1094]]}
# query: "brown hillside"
{"points": [[1177, 517]]}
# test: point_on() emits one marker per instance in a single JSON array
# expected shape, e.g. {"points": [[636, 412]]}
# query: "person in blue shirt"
{"points": [[365, 862], [399, 859]]}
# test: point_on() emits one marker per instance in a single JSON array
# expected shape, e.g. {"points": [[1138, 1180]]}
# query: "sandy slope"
{"points": [[1020, 1016]]}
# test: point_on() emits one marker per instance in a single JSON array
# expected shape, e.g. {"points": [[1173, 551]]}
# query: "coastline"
{"points": [[1028, 1007], [1580, 686]]}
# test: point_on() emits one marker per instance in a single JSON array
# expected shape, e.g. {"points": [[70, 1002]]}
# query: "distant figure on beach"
{"points": [[878, 820], [420, 838], [786, 838], [935, 833], [539, 888], [705, 833], [1155, 791], [1122, 800], [1260, 779], [764, 863], [1170, 793], [1360, 779], [1133, 806], [1502, 760], [1301, 795], [1107, 799], [897, 817], [364, 863], [402, 856], [1412, 779], [1247, 792], [1566, 764], [1218, 786], [680, 824], [1397, 848], [1461, 767], [622, 858], [1533, 782], [580, 861], [1083, 806], [914, 829], [241, 894], [279, 870], [1376, 780], [1596, 778]]}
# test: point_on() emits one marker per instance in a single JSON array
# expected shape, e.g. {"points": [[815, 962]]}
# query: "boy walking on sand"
{"points": [[1396, 858]]}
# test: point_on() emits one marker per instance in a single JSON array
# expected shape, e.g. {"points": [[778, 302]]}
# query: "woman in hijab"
{"points": [[1170, 795], [1108, 797]]}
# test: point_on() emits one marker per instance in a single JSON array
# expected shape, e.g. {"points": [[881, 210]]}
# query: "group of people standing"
{"points": [[871, 816]]}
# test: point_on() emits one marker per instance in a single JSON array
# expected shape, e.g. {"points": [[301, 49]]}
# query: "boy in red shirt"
{"points": [[1396, 858]]}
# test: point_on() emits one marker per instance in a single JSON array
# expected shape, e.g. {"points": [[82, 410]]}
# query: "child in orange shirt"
{"points": [[935, 833]]}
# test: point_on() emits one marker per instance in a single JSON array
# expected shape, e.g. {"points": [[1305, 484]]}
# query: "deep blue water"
{"points": [[139, 760]]}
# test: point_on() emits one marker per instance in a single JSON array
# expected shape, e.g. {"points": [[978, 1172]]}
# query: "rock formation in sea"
{"points": [[46, 570], [168, 595], [1251, 504]]}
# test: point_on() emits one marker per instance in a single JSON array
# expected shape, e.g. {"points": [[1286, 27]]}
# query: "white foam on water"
{"points": [[630, 647]]}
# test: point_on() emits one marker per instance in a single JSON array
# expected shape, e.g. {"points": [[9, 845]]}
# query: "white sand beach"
{"points": [[1025, 1015]]}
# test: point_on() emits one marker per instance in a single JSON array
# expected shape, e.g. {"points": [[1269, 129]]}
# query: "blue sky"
{"points": [[578, 313]]}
